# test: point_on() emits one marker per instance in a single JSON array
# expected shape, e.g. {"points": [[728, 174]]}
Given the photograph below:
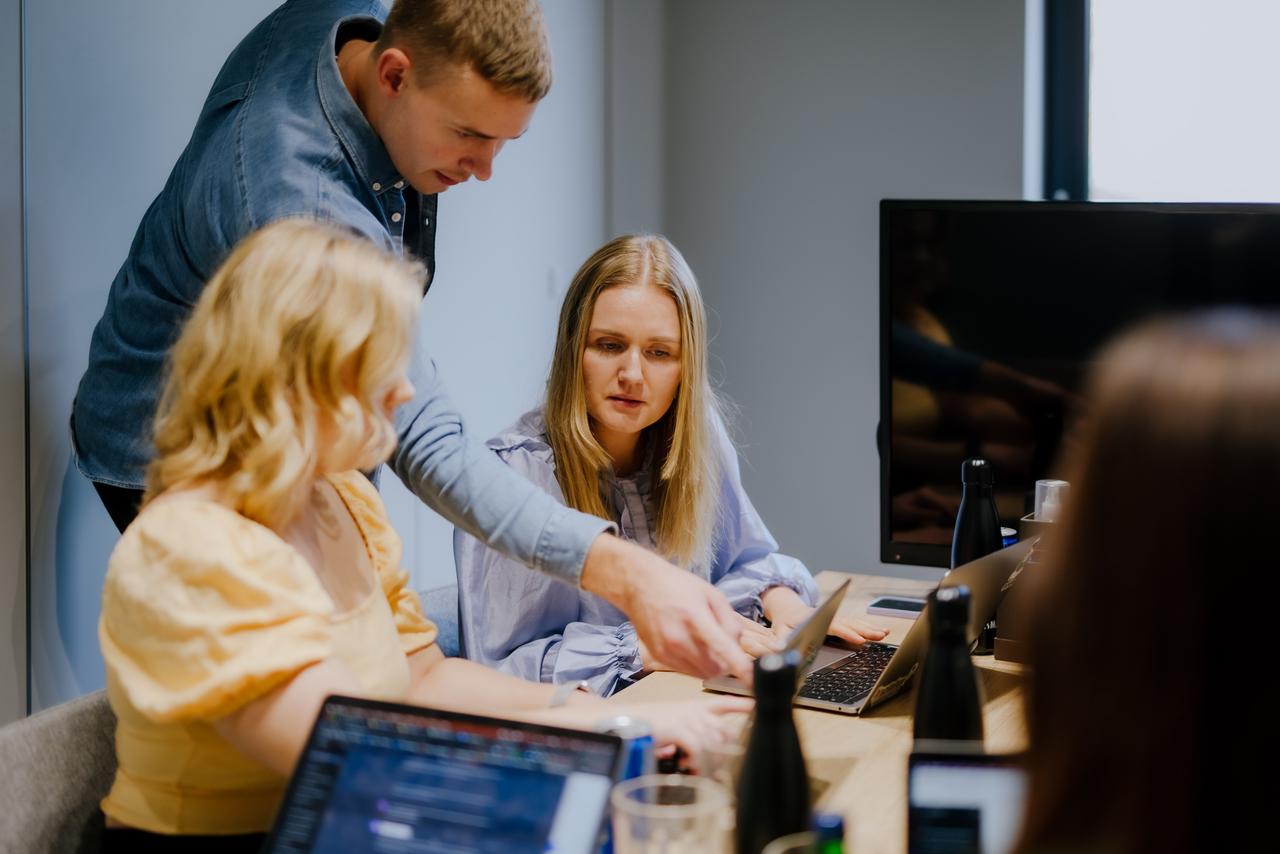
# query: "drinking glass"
{"points": [[669, 814], [795, 843], [721, 761]]}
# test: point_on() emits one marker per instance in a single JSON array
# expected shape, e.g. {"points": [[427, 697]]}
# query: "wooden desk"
{"points": [[863, 760]]}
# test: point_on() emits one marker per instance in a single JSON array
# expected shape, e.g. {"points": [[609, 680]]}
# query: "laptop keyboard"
{"points": [[849, 678]]}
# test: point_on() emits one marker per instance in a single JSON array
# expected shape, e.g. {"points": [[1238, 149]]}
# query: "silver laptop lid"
{"points": [[807, 638], [985, 578]]}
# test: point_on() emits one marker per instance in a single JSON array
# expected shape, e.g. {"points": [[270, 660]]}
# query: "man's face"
{"points": [[451, 129]]}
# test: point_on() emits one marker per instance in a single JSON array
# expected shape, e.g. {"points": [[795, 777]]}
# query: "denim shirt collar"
{"points": [[362, 145]]}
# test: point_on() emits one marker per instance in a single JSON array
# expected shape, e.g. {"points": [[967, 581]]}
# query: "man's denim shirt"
{"points": [[280, 136]]}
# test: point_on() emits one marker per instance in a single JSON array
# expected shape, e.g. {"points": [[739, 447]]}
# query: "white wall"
{"points": [[112, 93], [786, 123], [13, 480]]}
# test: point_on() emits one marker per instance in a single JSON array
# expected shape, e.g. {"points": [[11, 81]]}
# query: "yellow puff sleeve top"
{"points": [[204, 610]]}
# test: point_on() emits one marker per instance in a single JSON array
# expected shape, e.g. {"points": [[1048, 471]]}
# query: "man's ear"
{"points": [[394, 67]]}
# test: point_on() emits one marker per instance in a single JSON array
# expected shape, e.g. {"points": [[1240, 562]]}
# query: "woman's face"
{"points": [[631, 364]]}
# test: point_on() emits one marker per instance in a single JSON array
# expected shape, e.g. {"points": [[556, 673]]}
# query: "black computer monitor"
{"points": [[991, 313]]}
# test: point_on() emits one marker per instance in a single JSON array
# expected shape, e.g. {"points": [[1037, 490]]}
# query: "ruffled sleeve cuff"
{"points": [[744, 586], [607, 657]]}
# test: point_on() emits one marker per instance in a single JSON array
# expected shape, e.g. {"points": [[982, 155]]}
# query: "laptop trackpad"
{"points": [[826, 655]]}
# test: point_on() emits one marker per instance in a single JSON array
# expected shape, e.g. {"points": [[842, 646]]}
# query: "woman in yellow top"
{"points": [[262, 573]]}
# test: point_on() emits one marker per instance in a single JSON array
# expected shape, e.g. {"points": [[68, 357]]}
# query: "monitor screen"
{"points": [[990, 315], [383, 777]]}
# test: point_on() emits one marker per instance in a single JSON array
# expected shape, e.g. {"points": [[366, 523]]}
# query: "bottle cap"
{"points": [[977, 471], [776, 674], [949, 607], [828, 825]]}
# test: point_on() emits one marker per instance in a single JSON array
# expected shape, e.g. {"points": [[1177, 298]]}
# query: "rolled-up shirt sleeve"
{"points": [[470, 487], [746, 560]]}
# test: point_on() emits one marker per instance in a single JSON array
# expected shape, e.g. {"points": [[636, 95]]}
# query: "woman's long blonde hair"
{"points": [[684, 440], [304, 328]]}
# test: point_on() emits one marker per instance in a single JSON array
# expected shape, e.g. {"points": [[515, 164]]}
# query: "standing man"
{"points": [[325, 111]]}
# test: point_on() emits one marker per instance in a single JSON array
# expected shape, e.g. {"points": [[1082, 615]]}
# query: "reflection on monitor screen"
{"points": [[990, 315]]}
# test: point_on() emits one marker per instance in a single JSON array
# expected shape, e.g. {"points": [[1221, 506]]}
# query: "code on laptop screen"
{"points": [[393, 779]]}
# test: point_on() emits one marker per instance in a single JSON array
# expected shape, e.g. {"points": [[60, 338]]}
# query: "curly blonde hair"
{"points": [[302, 331], [685, 441]]}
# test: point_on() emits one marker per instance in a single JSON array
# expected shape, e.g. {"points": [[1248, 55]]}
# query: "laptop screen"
{"points": [[383, 777], [960, 802]]}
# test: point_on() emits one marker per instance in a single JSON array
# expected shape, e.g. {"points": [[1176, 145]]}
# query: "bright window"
{"points": [[1184, 100]]}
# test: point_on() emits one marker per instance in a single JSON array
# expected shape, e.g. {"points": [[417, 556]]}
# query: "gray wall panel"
{"points": [[637, 116], [13, 475], [785, 125]]}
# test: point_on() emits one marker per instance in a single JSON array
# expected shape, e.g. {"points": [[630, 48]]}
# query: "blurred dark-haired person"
{"points": [[1147, 728]]}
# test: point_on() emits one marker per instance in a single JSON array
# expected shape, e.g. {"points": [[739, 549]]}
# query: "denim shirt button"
{"points": [[426, 220], [399, 185], [395, 217], [377, 188]]}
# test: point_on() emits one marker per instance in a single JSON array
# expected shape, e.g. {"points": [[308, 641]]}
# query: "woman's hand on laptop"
{"points": [[757, 640], [786, 610]]}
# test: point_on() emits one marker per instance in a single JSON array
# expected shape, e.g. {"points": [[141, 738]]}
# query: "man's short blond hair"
{"points": [[504, 41]]}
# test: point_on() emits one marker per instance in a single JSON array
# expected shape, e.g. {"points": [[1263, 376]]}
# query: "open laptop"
{"points": [[384, 777], [854, 680]]}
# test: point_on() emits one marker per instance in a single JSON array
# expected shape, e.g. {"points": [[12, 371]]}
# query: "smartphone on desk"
{"points": [[908, 607]]}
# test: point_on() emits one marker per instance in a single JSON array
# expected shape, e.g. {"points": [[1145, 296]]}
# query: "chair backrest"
{"points": [[56, 765]]}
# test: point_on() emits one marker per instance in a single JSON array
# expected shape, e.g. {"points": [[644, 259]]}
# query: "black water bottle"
{"points": [[977, 530], [947, 704], [978, 522], [773, 786]]}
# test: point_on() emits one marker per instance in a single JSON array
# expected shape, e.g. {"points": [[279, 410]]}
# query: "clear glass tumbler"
{"points": [[722, 761], [804, 842], [671, 814]]}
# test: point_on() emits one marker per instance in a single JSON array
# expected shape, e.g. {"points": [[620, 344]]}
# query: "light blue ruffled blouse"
{"points": [[539, 628]]}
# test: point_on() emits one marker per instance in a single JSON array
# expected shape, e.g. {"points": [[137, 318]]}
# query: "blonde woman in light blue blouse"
{"points": [[630, 432]]}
